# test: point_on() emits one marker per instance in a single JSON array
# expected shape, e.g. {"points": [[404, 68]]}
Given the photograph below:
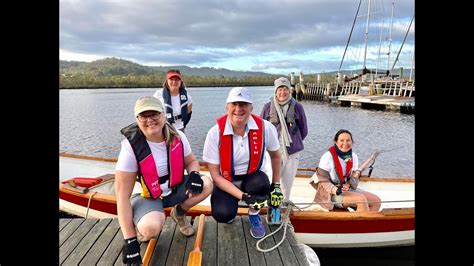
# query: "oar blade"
{"points": [[195, 258]]}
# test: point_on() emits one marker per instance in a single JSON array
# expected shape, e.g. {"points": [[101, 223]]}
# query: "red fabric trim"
{"points": [[225, 147], [338, 166], [353, 226], [256, 145]]}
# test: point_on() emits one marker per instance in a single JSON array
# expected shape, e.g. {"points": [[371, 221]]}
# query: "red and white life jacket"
{"points": [[256, 143], [147, 173], [338, 166]]}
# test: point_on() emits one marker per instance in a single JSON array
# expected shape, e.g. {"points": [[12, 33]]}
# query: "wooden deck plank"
{"points": [[63, 223], [271, 257], [87, 242], [99, 247], [71, 243], [286, 252], [209, 242], [256, 257], [68, 230], [111, 254], [296, 247], [178, 245], [231, 250], [163, 243], [100, 241]]}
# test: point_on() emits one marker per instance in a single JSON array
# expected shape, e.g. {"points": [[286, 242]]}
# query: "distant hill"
{"points": [[119, 67], [105, 67], [211, 71]]}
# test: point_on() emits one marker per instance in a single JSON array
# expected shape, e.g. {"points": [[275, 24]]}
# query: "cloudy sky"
{"points": [[251, 35]]}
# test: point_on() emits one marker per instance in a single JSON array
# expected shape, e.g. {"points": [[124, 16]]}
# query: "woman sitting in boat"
{"points": [[337, 180], [161, 177], [235, 150]]}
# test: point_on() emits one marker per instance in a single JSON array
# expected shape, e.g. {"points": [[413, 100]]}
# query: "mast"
{"points": [[390, 37], [380, 48], [349, 39], [367, 34], [412, 65]]}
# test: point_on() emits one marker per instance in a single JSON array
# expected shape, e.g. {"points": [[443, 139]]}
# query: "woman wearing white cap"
{"points": [[160, 175], [288, 116], [235, 150], [177, 101]]}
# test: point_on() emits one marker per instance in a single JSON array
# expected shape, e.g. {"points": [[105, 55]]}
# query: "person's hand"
{"points": [[255, 201], [346, 187], [275, 195], [195, 183], [131, 251]]}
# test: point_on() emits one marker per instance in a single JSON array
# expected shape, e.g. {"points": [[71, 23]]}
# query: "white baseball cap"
{"points": [[239, 94]]}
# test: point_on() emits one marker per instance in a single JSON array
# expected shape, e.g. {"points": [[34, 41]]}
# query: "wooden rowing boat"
{"points": [[393, 225]]}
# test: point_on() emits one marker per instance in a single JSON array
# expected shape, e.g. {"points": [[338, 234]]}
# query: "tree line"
{"points": [[156, 80]]}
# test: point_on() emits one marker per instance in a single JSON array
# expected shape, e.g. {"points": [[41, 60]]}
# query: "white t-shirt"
{"points": [[176, 104], [327, 163], [210, 153], [127, 161]]}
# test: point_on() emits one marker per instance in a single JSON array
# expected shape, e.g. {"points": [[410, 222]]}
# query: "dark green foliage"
{"points": [[119, 73]]}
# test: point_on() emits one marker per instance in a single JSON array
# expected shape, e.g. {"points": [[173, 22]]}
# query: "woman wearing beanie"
{"points": [[288, 116]]}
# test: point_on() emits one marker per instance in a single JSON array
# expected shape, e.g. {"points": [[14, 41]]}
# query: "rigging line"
{"points": [[387, 150], [350, 34], [352, 202], [404, 39]]}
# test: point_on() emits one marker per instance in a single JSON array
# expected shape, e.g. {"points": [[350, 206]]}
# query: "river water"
{"points": [[91, 119]]}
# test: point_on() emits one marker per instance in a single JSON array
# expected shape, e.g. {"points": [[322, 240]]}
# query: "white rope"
{"points": [[284, 224], [89, 202]]}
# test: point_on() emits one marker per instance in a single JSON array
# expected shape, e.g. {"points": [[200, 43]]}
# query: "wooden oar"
{"points": [[195, 256], [149, 251]]}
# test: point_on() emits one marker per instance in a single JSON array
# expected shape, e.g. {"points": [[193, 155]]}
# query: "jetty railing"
{"points": [[323, 90]]}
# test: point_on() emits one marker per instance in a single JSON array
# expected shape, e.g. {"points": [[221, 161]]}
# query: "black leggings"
{"points": [[224, 206]]}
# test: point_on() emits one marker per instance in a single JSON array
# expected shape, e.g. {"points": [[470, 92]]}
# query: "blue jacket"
{"points": [[298, 132]]}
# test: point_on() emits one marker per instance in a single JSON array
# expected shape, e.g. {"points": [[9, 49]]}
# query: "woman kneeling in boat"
{"points": [[161, 177], [337, 181]]}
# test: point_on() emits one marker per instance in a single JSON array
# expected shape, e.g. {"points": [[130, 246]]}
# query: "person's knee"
{"points": [[258, 183], [150, 230], [208, 185], [222, 216]]}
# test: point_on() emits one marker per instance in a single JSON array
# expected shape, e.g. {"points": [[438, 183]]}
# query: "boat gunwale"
{"points": [[204, 167]]}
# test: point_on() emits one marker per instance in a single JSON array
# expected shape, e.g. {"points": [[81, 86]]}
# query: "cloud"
{"points": [[211, 33]]}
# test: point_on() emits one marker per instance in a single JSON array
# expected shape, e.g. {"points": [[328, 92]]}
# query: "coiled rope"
{"points": [[284, 224]]}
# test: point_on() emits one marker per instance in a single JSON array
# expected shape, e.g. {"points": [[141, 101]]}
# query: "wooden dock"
{"points": [[99, 242], [382, 95], [379, 102]]}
